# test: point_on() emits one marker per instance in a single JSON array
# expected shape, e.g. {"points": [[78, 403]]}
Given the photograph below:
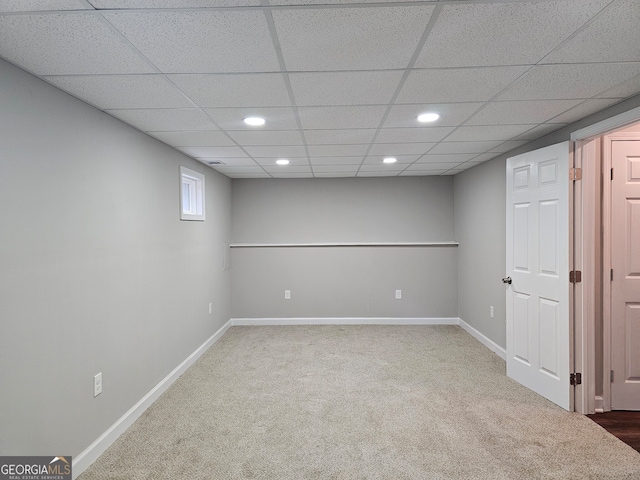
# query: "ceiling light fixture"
{"points": [[254, 121], [389, 160], [428, 117], [282, 161]]}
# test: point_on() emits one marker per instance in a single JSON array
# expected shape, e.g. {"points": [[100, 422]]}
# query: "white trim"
{"points": [[483, 339], [345, 321], [346, 244], [92, 452], [607, 125]]}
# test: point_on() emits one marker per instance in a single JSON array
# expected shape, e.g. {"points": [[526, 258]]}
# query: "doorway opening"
{"points": [[606, 248]]}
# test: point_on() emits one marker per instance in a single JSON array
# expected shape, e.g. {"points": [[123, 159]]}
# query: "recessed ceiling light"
{"points": [[282, 161], [428, 117], [389, 160], [254, 121]]}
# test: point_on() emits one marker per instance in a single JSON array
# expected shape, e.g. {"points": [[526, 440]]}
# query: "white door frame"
{"points": [[584, 251], [607, 163]]}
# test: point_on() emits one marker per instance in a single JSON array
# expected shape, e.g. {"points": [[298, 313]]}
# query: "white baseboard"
{"points": [[92, 452], [344, 321], [486, 341]]}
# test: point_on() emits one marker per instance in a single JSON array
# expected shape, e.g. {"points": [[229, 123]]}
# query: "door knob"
{"points": [[507, 280]]}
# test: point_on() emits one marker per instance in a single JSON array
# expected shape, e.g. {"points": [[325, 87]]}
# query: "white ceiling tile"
{"points": [[284, 174], [202, 138], [61, 44], [214, 152], [338, 137], [393, 149], [401, 159], [42, 5], [203, 41], [598, 42], [135, 4], [408, 135], [457, 84], [588, 107], [470, 164], [335, 168], [429, 167], [451, 114], [237, 90], [266, 137], [294, 161], [364, 116], [517, 33], [165, 119], [277, 118], [337, 150], [334, 174], [330, 2], [520, 112], [381, 173], [508, 146], [232, 162], [350, 38], [123, 91], [287, 169], [330, 161], [625, 89], [418, 173], [239, 169], [548, 82], [451, 158], [483, 158], [281, 151], [248, 175], [487, 132], [383, 167], [539, 131], [462, 147], [344, 88]]}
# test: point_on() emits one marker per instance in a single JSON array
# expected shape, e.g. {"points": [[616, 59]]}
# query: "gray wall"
{"points": [[97, 272], [480, 228], [343, 281], [480, 197]]}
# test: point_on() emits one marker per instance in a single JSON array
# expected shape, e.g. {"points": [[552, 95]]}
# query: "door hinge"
{"points": [[575, 174], [611, 376], [611, 275], [575, 379], [612, 174], [575, 276]]}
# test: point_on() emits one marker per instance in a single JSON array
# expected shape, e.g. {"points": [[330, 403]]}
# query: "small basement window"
{"points": [[191, 195]]}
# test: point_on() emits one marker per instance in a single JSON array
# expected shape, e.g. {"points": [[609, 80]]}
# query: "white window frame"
{"points": [[191, 195]]}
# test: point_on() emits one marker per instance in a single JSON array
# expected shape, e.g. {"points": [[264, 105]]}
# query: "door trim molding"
{"points": [[613, 123], [607, 164]]}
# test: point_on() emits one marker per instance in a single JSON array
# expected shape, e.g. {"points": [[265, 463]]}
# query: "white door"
{"points": [[625, 284], [538, 327]]}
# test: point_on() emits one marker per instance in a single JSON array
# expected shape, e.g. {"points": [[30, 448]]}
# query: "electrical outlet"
{"points": [[210, 308], [491, 311], [287, 294], [398, 294], [97, 384]]}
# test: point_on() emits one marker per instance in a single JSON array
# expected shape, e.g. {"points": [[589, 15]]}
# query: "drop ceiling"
{"points": [[340, 83]]}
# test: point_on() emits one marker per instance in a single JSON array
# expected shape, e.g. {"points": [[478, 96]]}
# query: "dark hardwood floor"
{"points": [[622, 424]]}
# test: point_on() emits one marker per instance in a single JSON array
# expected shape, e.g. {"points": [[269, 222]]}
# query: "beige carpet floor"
{"points": [[358, 402]]}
